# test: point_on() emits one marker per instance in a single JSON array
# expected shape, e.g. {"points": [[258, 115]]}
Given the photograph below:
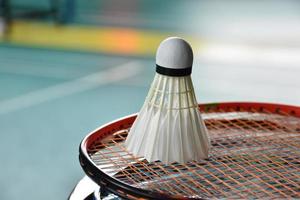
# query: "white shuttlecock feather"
{"points": [[169, 126]]}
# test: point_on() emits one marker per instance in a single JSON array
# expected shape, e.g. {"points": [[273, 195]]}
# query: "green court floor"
{"points": [[51, 98], [49, 101]]}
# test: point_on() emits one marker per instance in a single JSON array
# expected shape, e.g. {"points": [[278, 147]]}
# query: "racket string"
{"points": [[275, 128], [245, 126], [134, 172]]}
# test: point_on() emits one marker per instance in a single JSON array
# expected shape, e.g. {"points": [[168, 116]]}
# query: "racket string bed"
{"points": [[141, 171], [255, 154]]}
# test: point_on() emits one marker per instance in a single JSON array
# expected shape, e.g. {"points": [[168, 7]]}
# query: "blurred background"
{"points": [[67, 67]]}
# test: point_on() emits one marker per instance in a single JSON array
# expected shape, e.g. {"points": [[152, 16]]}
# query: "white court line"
{"points": [[91, 81]]}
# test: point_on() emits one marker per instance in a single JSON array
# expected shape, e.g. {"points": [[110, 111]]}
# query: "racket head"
{"points": [[255, 153]]}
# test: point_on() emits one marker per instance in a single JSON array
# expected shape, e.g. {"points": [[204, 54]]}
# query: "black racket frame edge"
{"points": [[112, 185]]}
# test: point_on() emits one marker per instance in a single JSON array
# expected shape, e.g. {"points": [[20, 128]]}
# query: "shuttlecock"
{"points": [[169, 126]]}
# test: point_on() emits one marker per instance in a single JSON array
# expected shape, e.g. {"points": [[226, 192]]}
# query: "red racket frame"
{"points": [[117, 187]]}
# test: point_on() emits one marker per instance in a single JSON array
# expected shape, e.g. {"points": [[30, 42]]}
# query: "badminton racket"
{"points": [[255, 154]]}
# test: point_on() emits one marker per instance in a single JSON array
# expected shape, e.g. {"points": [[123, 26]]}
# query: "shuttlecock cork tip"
{"points": [[174, 57]]}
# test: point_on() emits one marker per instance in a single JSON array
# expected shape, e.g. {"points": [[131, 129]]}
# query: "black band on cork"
{"points": [[173, 72]]}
